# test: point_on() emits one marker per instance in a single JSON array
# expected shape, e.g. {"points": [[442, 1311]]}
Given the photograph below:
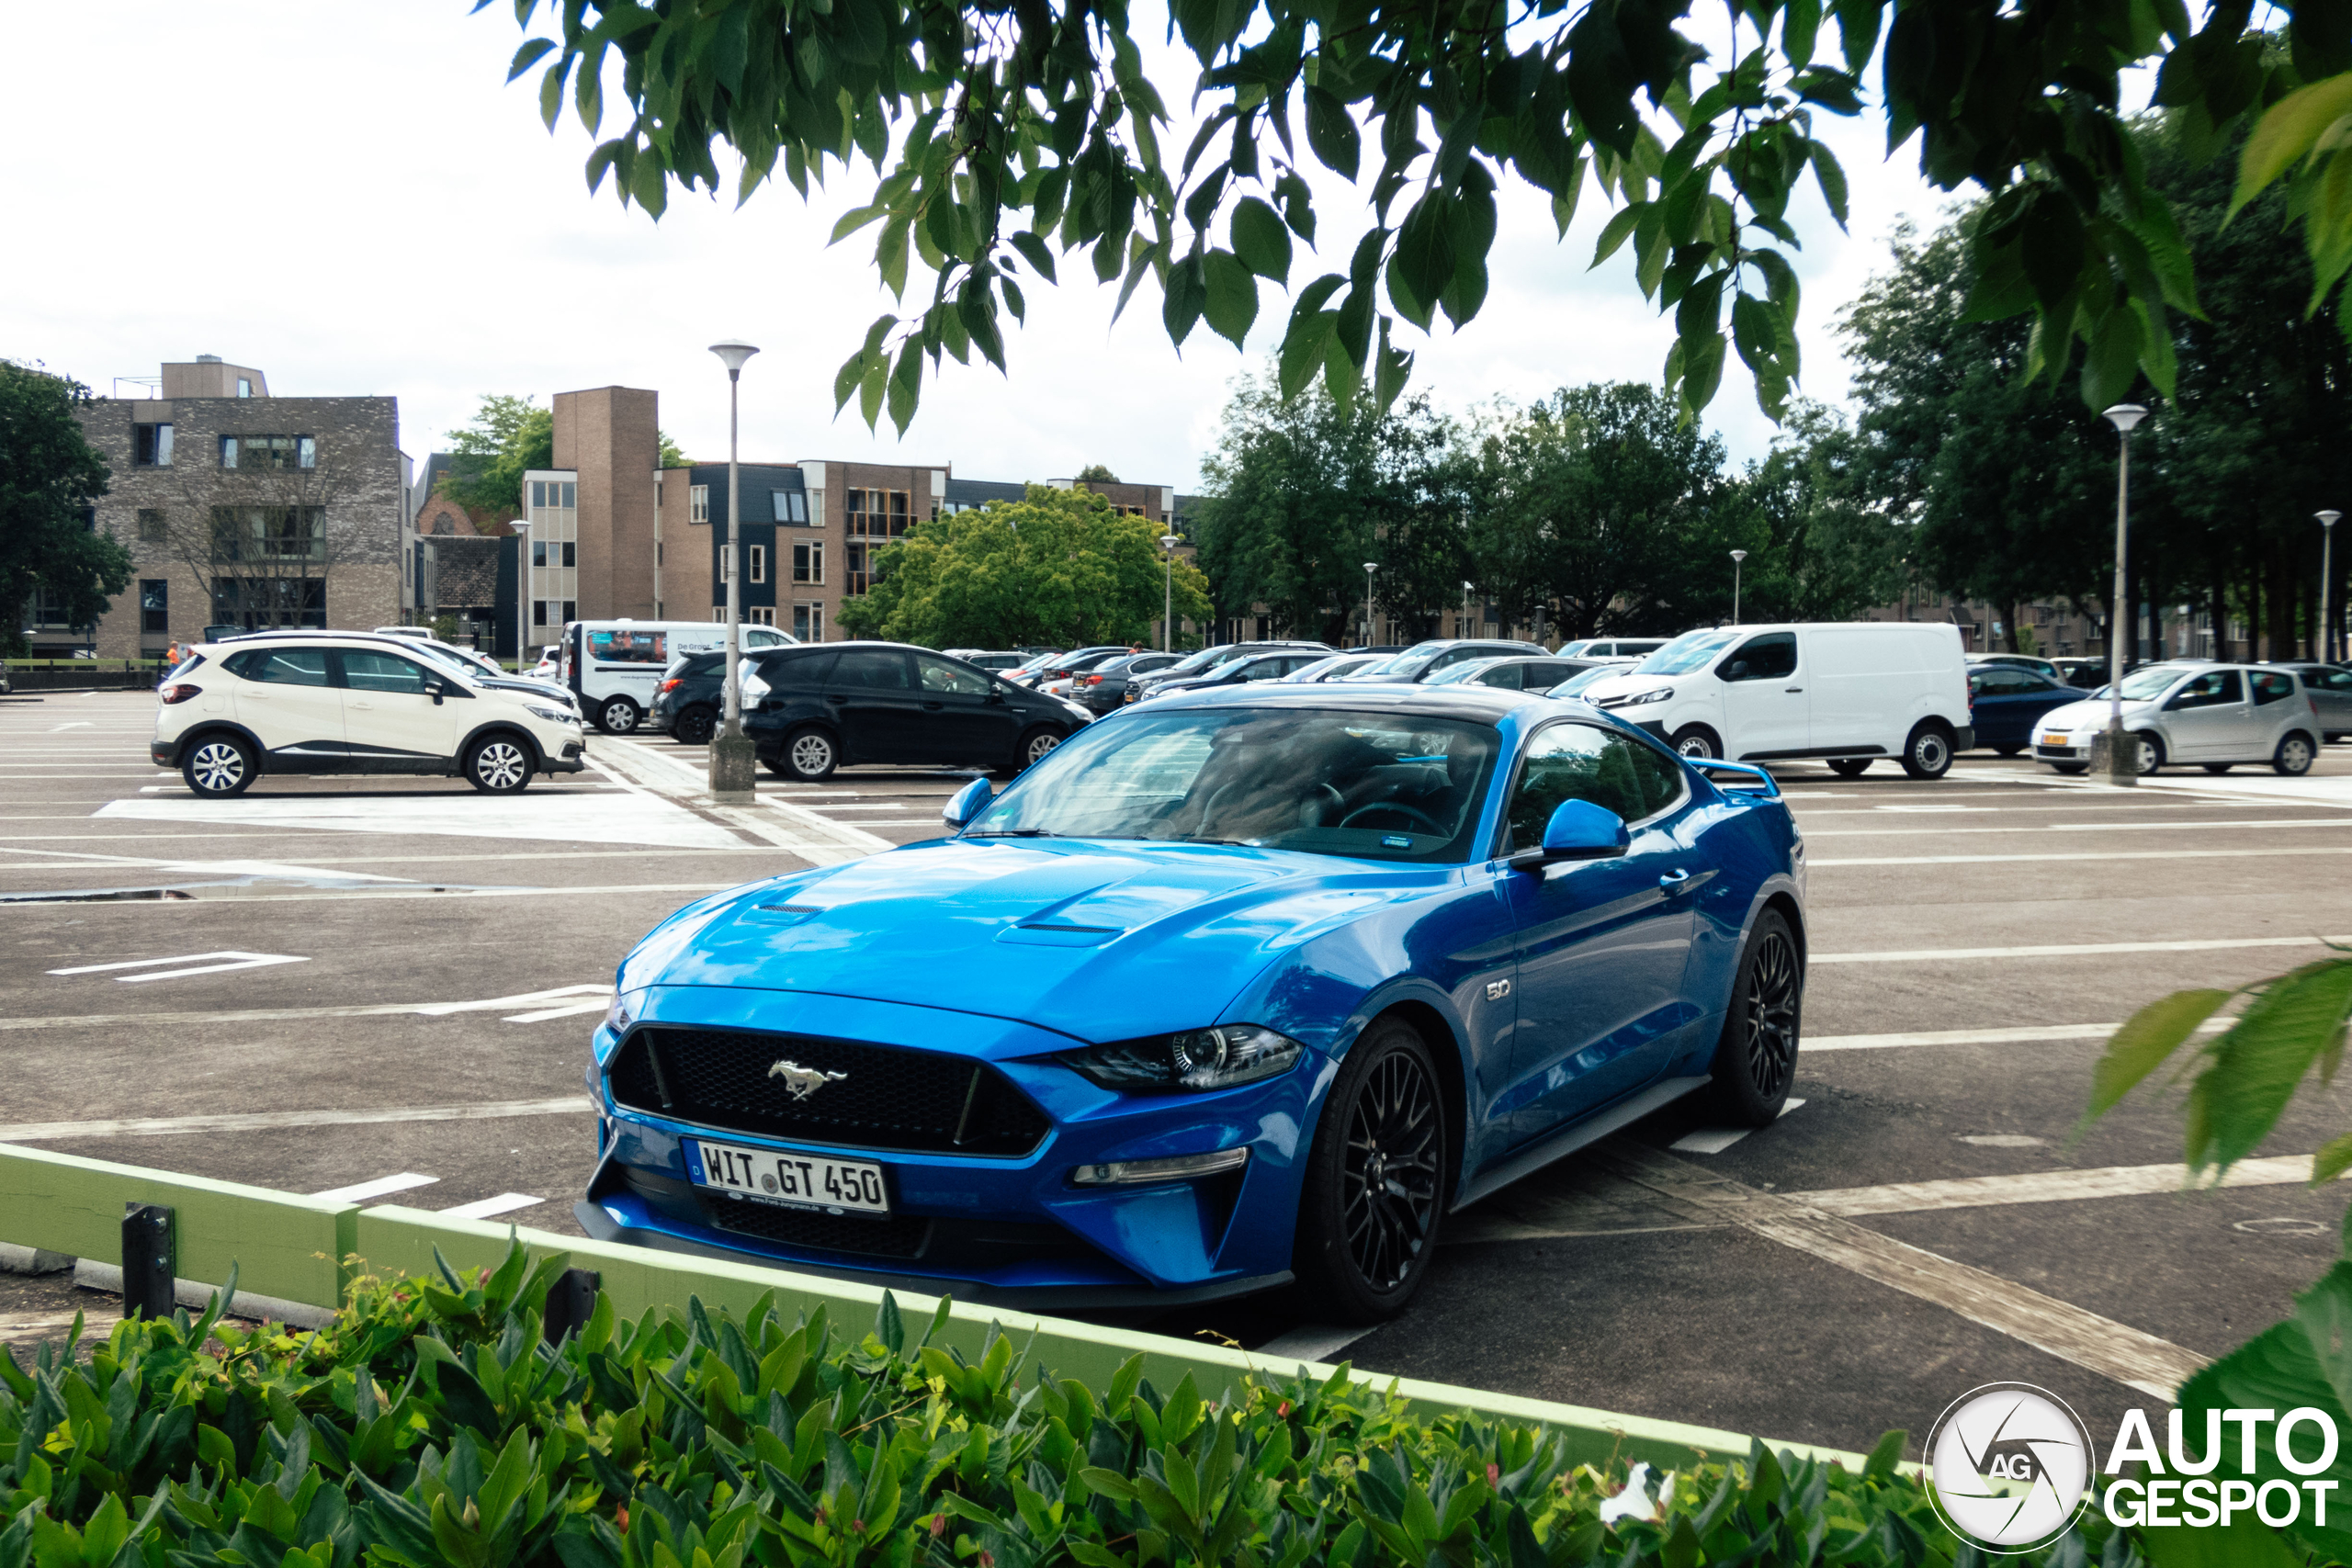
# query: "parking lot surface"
{"points": [[388, 984]]}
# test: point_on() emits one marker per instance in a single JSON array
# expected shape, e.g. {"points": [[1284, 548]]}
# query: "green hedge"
{"points": [[431, 1424]]}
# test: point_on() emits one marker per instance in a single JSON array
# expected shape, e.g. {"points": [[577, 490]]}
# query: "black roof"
{"points": [[974, 492]]}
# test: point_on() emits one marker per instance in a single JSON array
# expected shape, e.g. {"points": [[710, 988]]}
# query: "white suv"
{"points": [[328, 703]]}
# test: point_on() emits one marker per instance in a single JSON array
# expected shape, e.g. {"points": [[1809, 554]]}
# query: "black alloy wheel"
{"points": [[1756, 1059], [1374, 1191], [695, 727]]}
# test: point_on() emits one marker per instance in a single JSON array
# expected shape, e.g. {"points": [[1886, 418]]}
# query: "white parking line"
{"points": [[2079, 950], [2045, 1187], [236, 961], [2088, 827], [265, 1120], [2108, 854], [1312, 1342], [486, 1207], [2019, 1035], [382, 1186], [1715, 1140]]}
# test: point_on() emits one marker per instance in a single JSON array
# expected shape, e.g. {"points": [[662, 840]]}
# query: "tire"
{"points": [[499, 763], [2008, 750], [809, 755], [1849, 767], [2071, 769], [1375, 1198], [1033, 747], [2219, 767], [1756, 1059], [2294, 756], [2151, 753], [1928, 753], [619, 716], [695, 727], [219, 766], [776, 766], [1696, 741]]}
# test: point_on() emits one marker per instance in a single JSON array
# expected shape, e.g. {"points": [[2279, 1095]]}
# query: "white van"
{"points": [[614, 666], [1843, 692]]}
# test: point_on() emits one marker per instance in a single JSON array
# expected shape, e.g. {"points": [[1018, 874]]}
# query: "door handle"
{"points": [[932, 707], [1673, 880], [837, 701], [1792, 688]]}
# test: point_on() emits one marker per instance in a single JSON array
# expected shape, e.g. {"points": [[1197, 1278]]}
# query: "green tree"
{"points": [[509, 437], [1002, 138], [48, 476], [1300, 494], [1096, 474], [1819, 549], [1060, 567], [667, 453]]}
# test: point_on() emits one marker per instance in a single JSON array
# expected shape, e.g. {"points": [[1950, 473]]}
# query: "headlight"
{"points": [[1661, 695], [620, 1014], [553, 715], [1197, 1058]]}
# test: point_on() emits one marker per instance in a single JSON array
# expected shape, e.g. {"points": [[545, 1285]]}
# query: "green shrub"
{"points": [[430, 1425]]}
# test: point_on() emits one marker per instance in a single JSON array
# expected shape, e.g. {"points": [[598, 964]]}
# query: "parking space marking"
{"points": [[1715, 1140], [2076, 950], [487, 1208], [586, 816], [817, 839], [265, 1120], [2019, 1034], [2090, 854], [2047, 1186], [236, 961], [381, 1187], [76, 724], [2088, 827], [1312, 1342], [420, 891], [2130, 1356], [590, 996], [275, 870]]}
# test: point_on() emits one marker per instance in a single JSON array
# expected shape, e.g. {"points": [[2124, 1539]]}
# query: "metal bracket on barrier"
{"points": [[571, 1302], [148, 1261]]}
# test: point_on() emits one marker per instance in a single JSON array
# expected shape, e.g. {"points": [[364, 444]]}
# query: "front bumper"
{"points": [[1005, 1229], [571, 759]]}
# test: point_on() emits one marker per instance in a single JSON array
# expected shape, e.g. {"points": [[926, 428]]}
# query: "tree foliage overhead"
{"points": [[1005, 140], [50, 475], [1060, 568]]}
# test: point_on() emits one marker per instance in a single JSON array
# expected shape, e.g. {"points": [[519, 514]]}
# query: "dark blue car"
{"points": [[2004, 700], [1235, 987]]}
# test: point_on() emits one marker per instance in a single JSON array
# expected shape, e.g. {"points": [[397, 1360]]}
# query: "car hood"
{"points": [[2092, 714], [545, 689], [1610, 688], [1097, 939]]}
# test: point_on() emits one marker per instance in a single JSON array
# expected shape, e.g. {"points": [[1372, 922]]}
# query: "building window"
{"points": [[859, 579], [538, 552], [154, 604], [808, 563], [759, 563], [699, 505], [151, 526], [657, 552], [269, 452], [570, 610], [551, 494], [571, 553], [255, 603], [759, 615], [49, 612], [719, 614], [877, 514], [245, 387], [808, 621], [791, 505], [269, 532], [539, 611], [151, 446]]}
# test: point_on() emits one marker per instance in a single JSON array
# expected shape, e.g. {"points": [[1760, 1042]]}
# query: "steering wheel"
{"points": [[1414, 812], [1321, 801]]}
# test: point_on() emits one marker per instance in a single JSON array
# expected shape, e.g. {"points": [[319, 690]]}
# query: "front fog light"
{"points": [[1221, 1057], [1130, 1172]]}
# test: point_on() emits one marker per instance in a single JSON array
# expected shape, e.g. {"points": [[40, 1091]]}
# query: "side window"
{"points": [[1260, 670], [760, 637], [385, 673], [285, 666], [2215, 688], [1574, 761], [2338, 680], [1661, 775], [939, 675], [1766, 657], [871, 668], [810, 670], [1508, 676], [2270, 686]]}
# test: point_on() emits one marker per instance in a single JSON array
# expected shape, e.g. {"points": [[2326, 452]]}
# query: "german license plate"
{"points": [[790, 1180]]}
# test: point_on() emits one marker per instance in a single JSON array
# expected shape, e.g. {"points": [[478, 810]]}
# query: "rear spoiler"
{"points": [[1772, 789]]}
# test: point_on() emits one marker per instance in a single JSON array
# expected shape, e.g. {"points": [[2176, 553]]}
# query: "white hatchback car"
{"points": [[325, 703], [2213, 714]]}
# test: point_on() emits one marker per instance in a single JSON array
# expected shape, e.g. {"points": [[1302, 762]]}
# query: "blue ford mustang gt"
{"points": [[1233, 988]]}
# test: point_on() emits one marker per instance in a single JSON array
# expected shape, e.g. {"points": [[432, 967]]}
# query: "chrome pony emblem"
{"points": [[803, 1081]]}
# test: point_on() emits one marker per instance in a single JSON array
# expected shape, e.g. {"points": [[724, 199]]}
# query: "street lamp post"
{"points": [[2122, 755], [1168, 542], [1369, 567], [1737, 557], [2327, 625], [522, 591], [733, 761]]}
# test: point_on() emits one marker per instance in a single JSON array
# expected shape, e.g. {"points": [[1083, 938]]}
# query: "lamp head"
{"points": [[1739, 554], [2124, 416], [1370, 566], [1168, 541], [2327, 519], [732, 352]]}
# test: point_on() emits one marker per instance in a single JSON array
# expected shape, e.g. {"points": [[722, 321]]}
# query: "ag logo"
{"points": [[2011, 1465]]}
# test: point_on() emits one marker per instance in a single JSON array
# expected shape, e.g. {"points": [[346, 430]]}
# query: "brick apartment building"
{"points": [[239, 508]]}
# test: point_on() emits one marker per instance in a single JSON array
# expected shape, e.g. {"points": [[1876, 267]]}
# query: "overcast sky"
{"points": [[346, 196]]}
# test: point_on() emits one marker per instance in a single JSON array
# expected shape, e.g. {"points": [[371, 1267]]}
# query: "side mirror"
{"points": [[1579, 830], [433, 689], [1736, 670], [968, 803]]}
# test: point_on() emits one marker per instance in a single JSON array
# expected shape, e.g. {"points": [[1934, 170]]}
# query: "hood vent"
{"points": [[1050, 933]]}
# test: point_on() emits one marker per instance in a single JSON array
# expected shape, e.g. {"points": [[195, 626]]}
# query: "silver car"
{"points": [[2216, 715], [2330, 686]]}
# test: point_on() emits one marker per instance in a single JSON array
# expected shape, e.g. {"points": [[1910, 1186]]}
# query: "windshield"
{"points": [[1399, 666], [1688, 652], [1468, 670], [1375, 787], [2151, 682], [1576, 683]]}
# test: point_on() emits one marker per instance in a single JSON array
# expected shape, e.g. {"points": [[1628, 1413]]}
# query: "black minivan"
{"points": [[809, 710]]}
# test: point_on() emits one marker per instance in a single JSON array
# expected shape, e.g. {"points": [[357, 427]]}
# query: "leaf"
{"points": [[1231, 296], [1262, 239], [2113, 362], [2141, 1045], [2257, 1062], [528, 56], [1616, 233], [1331, 131], [1885, 1455], [1831, 178], [2287, 131], [1799, 23]]}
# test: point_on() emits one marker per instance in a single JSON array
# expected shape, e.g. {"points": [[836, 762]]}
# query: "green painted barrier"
{"points": [[290, 1246]]}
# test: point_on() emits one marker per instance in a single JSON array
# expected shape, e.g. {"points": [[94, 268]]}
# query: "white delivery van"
{"points": [[1841, 691], [614, 666]]}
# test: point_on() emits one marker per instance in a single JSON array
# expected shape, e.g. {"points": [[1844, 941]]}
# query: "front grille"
{"points": [[884, 1099], [2054, 750], [902, 1236]]}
